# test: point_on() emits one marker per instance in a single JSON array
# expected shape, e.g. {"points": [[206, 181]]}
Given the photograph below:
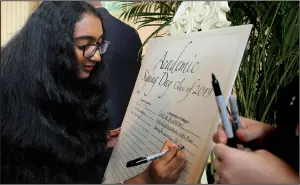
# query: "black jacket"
{"points": [[284, 142], [124, 62]]}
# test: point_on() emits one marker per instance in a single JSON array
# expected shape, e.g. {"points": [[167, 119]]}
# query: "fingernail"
{"points": [[180, 146]]}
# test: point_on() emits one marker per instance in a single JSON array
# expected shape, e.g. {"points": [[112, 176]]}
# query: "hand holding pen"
{"points": [[250, 134], [142, 160], [164, 169], [230, 125], [231, 140]]}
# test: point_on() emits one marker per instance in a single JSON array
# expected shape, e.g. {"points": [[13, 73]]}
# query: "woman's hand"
{"points": [[259, 167], [164, 170], [112, 136], [250, 130]]}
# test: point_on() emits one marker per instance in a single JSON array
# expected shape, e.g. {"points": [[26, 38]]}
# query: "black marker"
{"points": [[237, 124], [235, 112], [142, 160], [231, 141]]}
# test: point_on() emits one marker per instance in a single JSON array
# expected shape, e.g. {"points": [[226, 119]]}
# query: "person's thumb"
{"points": [[244, 133], [249, 133], [243, 123], [222, 151], [168, 144]]}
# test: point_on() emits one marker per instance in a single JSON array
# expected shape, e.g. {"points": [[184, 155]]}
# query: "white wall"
{"points": [[15, 13], [13, 16]]}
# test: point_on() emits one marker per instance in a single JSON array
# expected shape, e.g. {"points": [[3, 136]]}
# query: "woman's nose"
{"points": [[97, 56]]}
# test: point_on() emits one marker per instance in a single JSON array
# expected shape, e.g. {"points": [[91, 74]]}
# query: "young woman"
{"points": [[54, 106]]}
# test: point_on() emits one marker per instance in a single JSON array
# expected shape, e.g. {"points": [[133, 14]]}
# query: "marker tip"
{"points": [[213, 76]]}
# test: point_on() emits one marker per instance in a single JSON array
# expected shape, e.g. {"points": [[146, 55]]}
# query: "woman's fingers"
{"points": [[113, 133], [180, 163]]}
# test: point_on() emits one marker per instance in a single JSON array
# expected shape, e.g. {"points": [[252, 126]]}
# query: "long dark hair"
{"points": [[50, 119]]}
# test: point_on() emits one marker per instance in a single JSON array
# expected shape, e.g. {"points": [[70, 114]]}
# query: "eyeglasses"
{"points": [[89, 50]]}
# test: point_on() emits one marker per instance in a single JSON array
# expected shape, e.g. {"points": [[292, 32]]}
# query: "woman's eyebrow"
{"points": [[87, 37]]}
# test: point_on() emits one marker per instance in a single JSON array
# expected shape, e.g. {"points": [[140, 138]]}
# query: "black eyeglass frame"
{"points": [[98, 47]]}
